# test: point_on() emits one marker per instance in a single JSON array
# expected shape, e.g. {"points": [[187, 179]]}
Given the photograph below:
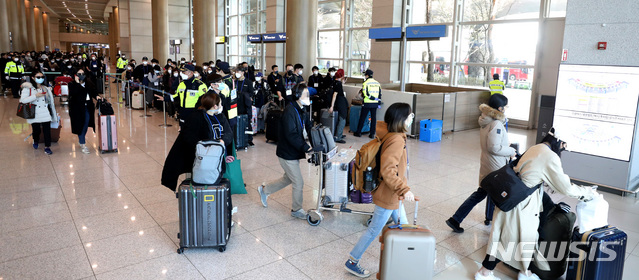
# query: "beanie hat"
{"points": [[497, 100]]}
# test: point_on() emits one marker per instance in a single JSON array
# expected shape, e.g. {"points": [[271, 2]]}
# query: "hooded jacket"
{"points": [[43, 114], [495, 149], [393, 163]]}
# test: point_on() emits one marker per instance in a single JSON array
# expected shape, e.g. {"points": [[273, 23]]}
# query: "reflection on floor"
{"points": [[106, 216]]}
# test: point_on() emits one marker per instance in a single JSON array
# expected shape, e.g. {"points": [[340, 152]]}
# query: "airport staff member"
{"points": [[13, 72], [189, 91], [121, 63], [372, 92], [496, 86]]}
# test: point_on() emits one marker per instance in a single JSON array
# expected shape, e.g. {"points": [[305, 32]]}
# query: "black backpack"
{"points": [[505, 188]]}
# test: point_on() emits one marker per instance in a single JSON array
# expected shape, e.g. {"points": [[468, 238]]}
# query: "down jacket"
{"points": [[495, 149], [43, 103]]}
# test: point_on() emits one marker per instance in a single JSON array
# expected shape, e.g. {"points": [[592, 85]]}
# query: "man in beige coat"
{"points": [[514, 237]]}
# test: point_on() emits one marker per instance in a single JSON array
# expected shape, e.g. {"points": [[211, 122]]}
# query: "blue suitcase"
{"points": [[354, 119], [601, 255]]}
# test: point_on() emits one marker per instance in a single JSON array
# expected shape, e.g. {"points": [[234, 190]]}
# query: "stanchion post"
{"points": [[128, 94], [142, 87], [164, 111]]}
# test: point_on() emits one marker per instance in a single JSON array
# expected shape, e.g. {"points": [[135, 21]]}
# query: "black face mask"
{"points": [[290, 72], [81, 77]]}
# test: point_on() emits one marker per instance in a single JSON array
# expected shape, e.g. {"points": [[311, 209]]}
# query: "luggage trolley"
{"points": [[314, 216]]}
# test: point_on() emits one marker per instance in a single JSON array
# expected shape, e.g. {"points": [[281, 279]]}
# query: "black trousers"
{"points": [[490, 262], [46, 130], [362, 119], [15, 87]]}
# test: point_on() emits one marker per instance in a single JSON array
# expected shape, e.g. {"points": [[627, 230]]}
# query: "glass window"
{"points": [[233, 47], [324, 65], [440, 11], [518, 85], [249, 48], [329, 15], [362, 13], [329, 44], [432, 50], [419, 73], [232, 23], [233, 7], [249, 23], [249, 6], [358, 68], [508, 43], [263, 20], [558, 8], [482, 10], [360, 45]]}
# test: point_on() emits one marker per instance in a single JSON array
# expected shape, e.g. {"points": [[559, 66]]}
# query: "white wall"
{"points": [[140, 30], [180, 28], [125, 40]]}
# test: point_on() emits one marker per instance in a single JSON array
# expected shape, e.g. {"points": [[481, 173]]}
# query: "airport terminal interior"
{"points": [[101, 211]]}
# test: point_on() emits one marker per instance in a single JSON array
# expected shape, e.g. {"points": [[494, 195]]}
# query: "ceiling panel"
{"points": [[86, 13]]}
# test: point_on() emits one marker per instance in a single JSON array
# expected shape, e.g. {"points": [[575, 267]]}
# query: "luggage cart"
{"points": [[314, 216]]}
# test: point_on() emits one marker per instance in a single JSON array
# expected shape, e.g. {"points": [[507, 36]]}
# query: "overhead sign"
{"points": [[274, 37], [220, 39], [254, 38], [426, 32], [385, 33]]}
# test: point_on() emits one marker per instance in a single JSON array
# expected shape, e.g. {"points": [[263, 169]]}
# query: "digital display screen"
{"points": [[595, 109]]}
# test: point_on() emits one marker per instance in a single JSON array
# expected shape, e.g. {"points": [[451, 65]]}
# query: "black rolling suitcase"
{"points": [[205, 215], [554, 241], [241, 140], [273, 124], [602, 253]]}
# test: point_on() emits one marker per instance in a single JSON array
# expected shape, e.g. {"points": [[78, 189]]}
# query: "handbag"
{"points": [[505, 188], [592, 214], [26, 111], [234, 174]]}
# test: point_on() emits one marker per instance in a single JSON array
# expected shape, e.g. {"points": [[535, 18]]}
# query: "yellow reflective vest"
{"points": [[121, 63], [496, 86], [12, 69], [371, 90], [189, 96]]}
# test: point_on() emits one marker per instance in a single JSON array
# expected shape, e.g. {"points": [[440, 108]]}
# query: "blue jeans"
{"points": [[380, 217], [85, 127], [474, 199], [339, 129]]}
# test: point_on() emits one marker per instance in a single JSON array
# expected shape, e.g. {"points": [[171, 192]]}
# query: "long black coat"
{"points": [[182, 154], [291, 144], [77, 100]]}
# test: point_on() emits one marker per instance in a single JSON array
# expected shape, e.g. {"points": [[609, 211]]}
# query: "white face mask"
{"points": [[194, 64], [39, 80], [205, 67], [145, 62], [170, 71], [315, 72], [257, 79], [197, 74], [238, 75], [210, 71], [15, 59], [93, 58], [332, 74], [184, 76], [408, 122], [305, 101], [175, 75], [129, 68], [215, 112], [300, 72]]}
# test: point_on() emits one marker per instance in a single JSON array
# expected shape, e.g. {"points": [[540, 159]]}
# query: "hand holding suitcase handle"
{"points": [[401, 198]]}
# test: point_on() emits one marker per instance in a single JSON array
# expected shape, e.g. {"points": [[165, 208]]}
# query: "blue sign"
{"points": [[254, 38], [274, 37], [425, 32], [385, 33]]}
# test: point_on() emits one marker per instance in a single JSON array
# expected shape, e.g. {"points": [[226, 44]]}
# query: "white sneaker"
{"points": [[300, 214], [491, 276], [522, 276], [85, 150]]}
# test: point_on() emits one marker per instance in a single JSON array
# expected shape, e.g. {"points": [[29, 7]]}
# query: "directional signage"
{"points": [[385, 33], [274, 37], [254, 38], [425, 32]]}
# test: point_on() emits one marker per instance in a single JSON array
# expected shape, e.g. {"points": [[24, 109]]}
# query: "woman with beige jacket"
{"points": [[41, 97], [393, 181]]}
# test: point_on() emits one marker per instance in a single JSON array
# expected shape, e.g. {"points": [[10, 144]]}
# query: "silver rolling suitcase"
{"points": [[329, 120], [408, 252], [205, 215], [336, 176]]}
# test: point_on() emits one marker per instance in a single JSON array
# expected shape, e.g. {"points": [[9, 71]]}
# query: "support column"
{"points": [[160, 20], [204, 30], [23, 24], [116, 29], [31, 38], [301, 33], [14, 27], [46, 30], [4, 27], [37, 16]]}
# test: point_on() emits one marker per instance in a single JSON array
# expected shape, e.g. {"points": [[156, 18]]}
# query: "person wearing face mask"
{"points": [[141, 72], [244, 88], [42, 97], [250, 71], [393, 161], [81, 107], [291, 79], [169, 62], [121, 63], [330, 77], [291, 147], [155, 79], [316, 80], [95, 72], [208, 117], [229, 98], [14, 70], [339, 104], [372, 92], [261, 90], [274, 82], [188, 92]]}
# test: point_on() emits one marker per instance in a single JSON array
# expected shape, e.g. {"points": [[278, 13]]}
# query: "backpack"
{"points": [[208, 166], [505, 188], [365, 174]]}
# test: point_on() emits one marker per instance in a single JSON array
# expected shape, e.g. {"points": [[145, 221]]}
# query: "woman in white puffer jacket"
{"points": [[42, 97]]}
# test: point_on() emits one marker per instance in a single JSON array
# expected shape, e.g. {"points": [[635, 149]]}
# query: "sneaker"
{"points": [[532, 276], [454, 225], [355, 269], [491, 276], [35, 146], [251, 143], [263, 197], [47, 151], [85, 150], [300, 214], [357, 135], [487, 222], [341, 141]]}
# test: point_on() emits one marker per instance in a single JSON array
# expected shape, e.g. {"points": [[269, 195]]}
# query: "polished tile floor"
{"points": [[106, 216]]}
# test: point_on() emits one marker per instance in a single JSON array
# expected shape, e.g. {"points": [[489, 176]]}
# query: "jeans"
{"points": [[85, 127], [339, 129], [46, 130], [380, 217], [292, 175], [362, 119], [474, 199]]}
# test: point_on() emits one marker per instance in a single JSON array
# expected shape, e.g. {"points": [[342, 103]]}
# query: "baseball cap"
{"points": [[224, 66], [368, 72], [187, 67]]}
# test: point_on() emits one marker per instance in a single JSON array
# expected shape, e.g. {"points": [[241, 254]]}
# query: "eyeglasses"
{"points": [[39, 76]]}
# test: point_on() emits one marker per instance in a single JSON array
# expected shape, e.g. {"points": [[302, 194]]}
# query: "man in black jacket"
{"points": [[292, 147], [274, 82], [244, 88]]}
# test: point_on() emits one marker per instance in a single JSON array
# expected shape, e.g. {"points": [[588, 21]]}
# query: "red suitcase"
{"points": [[108, 134]]}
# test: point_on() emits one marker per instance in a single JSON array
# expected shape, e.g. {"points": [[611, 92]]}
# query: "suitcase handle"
{"points": [[416, 208]]}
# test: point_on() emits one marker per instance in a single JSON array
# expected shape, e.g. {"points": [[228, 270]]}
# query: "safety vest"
{"points": [[122, 63], [13, 68], [371, 90], [189, 96], [496, 86], [225, 91]]}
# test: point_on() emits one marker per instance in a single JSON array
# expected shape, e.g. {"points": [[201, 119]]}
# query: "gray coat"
{"points": [[495, 149]]}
